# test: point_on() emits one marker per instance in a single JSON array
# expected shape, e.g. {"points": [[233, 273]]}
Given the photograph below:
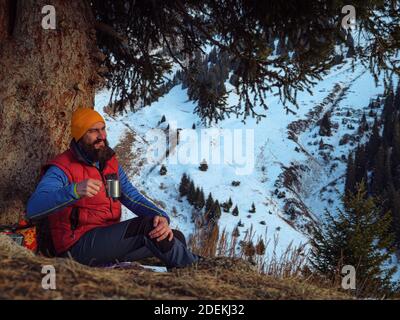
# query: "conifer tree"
{"points": [[360, 164], [163, 170], [325, 128], [396, 101], [393, 197], [184, 185], [130, 47], [230, 203], [378, 182], [209, 202], [225, 207], [203, 165], [350, 175], [200, 199], [212, 57], [363, 127], [192, 193], [387, 117], [321, 144], [358, 236], [395, 154], [373, 143], [216, 210], [196, 197]]}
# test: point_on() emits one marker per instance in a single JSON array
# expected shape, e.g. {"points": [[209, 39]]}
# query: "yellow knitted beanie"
{"points": [[82, 120]]}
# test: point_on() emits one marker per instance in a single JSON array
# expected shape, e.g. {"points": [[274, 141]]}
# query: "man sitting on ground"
{"points": [[83, 221]]}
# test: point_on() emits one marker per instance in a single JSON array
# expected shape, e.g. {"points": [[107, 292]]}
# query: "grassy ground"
{"points": [[217, 278]]}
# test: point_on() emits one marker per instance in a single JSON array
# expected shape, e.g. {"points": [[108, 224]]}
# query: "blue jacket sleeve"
{"points": [[53, 193], [134, 200]]}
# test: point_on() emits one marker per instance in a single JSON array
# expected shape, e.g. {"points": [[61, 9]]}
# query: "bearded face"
{"points": [[98, 150], [94, 143]]}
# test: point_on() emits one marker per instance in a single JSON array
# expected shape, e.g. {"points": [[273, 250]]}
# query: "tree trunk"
{"points": [[44, 75]]}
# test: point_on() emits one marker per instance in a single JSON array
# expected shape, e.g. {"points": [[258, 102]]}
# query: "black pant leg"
{"points": [[129, 241]]}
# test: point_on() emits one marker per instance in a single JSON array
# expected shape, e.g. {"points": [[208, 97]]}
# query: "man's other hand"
{"points": [[88, 187], [161, 229]]}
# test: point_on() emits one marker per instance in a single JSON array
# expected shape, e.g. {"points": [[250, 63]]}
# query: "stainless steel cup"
{"points": [[113, 188]]}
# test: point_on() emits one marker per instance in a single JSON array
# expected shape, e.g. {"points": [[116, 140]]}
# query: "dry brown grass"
{"points": [[288, 264], [217, 278]]}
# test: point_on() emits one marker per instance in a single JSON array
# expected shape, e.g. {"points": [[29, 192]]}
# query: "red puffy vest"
{"points": [[97, 211]]}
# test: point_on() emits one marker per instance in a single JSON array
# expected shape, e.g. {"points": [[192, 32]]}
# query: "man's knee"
{"points": [[144, 224], [141, 225]]}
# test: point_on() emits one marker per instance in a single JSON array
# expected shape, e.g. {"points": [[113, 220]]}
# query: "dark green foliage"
{"points": [[253, 208], [209, 202], [227, 205], [235, 211], [163, 170], [325, 128], [360, 164], [358, 236], [371, 113], [235, 183], [387, 117], [374, 143], [380, 160], [378, 176], [321, 144], [350, 175], [195, 196], [215, 212], [363, 127], [184, 185], [350, 45], [206, 86], [230, 204], [356, 170], [201, 199], [141, 40], [203, 166], [192, 193]]}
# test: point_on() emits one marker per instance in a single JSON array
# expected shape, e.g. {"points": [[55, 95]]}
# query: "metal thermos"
{"points": [[113, 188]]}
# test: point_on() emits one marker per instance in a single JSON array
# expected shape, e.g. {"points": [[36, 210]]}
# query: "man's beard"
{"points": [[101, 154]]}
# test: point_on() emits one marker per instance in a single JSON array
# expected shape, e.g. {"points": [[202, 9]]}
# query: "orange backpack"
{"points": [[23, 233]]}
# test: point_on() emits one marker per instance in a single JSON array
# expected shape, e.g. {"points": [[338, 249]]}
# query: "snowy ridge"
{"points": [[344, 88]]}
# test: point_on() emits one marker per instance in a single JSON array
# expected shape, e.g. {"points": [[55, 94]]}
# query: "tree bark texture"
{"points": [[44, 76]]}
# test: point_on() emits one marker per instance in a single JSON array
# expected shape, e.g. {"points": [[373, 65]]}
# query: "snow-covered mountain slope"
{"points": [[265, 156]]}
